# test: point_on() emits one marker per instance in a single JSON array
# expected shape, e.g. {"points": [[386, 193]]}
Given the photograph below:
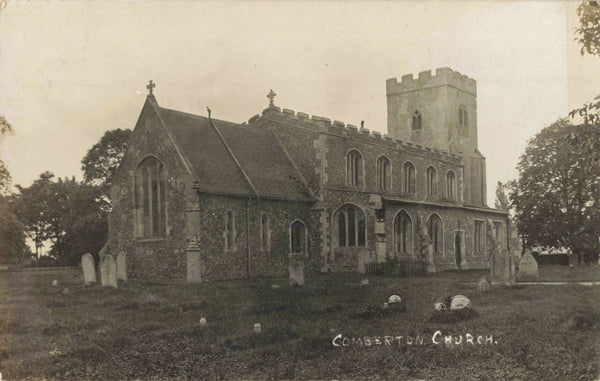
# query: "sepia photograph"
{"points": [[299, 190]]}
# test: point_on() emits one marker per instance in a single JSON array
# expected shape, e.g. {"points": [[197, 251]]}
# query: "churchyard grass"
{"points": [[145, 330]]}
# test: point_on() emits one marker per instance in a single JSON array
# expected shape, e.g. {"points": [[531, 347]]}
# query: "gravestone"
{"points": [[121, 267], [89, 269], [363, 256], [108, 271], [296, 269], [528, 265], [484, 285]]}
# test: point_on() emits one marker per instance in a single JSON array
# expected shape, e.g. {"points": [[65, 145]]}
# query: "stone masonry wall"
{"points": [[157, 257]]}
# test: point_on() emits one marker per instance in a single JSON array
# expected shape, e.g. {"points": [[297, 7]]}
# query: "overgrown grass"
{"points": [[149, 330]]}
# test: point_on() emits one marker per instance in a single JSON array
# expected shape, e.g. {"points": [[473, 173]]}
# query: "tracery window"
{"points": [[351, 226], [417, 121], [150, 198], [409, 178], [403, 233], [431, 182], [383, 173], [436, 233], [451, 186], [297, 238], [354, 162]]}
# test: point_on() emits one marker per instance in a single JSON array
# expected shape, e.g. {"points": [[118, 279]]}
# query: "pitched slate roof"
{"points": [[228, 158]]}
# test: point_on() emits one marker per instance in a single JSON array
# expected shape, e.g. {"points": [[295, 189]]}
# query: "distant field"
{"points": [[151, 331]]}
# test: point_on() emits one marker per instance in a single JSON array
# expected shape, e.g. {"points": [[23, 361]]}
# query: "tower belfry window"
{"points": [[463, 122], [417, 120]]}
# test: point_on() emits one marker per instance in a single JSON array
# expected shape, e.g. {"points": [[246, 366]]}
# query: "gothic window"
{"points": [[498, 228], [297, 238], [403, 233], [431, 182], [351, 226], [479, 237], [265, 232], [409, 178], [451, 186], [463, 124], [354, 169], [383, 173], [436, 233], [416, 120], [150, 198], [229, 231]]}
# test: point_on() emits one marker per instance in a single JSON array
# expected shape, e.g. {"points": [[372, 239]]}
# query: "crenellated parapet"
{"points": [[443, 77], [319, 124]]}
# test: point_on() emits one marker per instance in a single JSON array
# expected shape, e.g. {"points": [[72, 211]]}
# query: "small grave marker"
{"points": [[296, 269], [256, 328], [121, 267], [89, 269], [109, 271]]}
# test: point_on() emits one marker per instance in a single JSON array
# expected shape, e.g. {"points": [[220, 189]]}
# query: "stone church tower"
{"points": [[440, 111]]}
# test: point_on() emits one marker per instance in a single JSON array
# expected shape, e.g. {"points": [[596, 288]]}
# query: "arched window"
{"points": [[383, 173], [229, 231], [354, 169], [351, 226], [265, 232], [431, 182], [403, 233], [150, 198], [463, 123], [297, 238], [416, 120], [409, 178], [436, 233], [451, 186]]}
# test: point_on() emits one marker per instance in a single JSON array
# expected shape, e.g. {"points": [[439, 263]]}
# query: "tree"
{"points": [[557, 198], [502, 202], [589, 29], [69, 215], [33, 204], [5, 129], [102, 160]]}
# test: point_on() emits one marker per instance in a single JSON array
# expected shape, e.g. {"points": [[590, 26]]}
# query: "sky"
{"points": [[71, 70]]}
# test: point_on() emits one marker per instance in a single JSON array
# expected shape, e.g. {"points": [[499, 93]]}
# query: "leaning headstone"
{"points": [[121, 267], [296, 269], [528, 265], [484, 285], [89, 269], [459, 302], [109, 271]]}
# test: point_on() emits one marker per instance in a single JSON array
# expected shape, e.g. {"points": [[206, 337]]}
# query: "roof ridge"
{"points": [[195, 115]]}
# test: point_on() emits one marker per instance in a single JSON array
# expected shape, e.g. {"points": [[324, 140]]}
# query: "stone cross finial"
{"points": [[209, 111], [271, 96], [150, 86]]}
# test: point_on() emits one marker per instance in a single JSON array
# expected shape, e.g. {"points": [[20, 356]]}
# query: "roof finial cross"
{"points": [[150, 86], [271, 96]]}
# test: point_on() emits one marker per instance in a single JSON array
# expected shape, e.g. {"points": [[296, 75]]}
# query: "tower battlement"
{"points": [[443, 77]]}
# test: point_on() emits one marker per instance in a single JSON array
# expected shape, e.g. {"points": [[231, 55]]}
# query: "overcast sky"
{"points": [[71, 70]]}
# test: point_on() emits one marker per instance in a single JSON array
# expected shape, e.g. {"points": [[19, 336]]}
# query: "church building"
{"points": [[197, 198]]}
